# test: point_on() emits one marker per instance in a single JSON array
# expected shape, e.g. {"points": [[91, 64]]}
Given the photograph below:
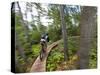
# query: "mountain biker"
{"points": [[44, 40]]}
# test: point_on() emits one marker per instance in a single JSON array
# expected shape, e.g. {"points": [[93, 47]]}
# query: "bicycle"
{"points": [[43, 50]]}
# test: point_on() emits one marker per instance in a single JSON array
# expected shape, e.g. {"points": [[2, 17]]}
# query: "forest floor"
{"points": [[40, 66]]}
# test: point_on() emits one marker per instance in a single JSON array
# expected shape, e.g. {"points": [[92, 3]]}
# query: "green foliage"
{"points": [[93, 59], [54, 14], [36, 50], [55, 27], [73, 30], [31, 52], [35, 35], [54, 59], [56, 56], [54, 34], [20, 63], [73, 44], [93, 54]]}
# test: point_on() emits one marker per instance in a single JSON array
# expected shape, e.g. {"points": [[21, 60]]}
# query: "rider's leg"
{"points": [[44, 46]]}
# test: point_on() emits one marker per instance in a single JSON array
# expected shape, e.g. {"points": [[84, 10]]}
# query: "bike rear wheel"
{"points": [[41, 55]]}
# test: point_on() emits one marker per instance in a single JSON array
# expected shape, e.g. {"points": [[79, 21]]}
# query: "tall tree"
{"points": [[18, 45], [64, 33], [23, 22], [24, 28], [87, 25], [40, 12]]}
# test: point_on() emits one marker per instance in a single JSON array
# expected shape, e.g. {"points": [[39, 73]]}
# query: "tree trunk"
{"points": [[23, 22], [64, 33], [25, 26], [18, 43], [87, 26]]}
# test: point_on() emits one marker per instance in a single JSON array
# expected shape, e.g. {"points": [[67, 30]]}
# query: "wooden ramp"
{"points": [[40, 66]]}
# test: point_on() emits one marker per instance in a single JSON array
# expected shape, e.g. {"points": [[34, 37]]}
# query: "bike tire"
{"points": [[42, 52], [41, 55]]}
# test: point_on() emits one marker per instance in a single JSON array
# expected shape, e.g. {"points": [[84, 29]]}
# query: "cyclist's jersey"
{"points": [[43, 40]]}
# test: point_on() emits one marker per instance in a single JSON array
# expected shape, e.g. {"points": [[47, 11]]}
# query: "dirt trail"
{"points": [[40, 66]]}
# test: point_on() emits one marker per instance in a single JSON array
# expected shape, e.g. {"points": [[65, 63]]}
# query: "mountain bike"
{"points": [[43, 50]]}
